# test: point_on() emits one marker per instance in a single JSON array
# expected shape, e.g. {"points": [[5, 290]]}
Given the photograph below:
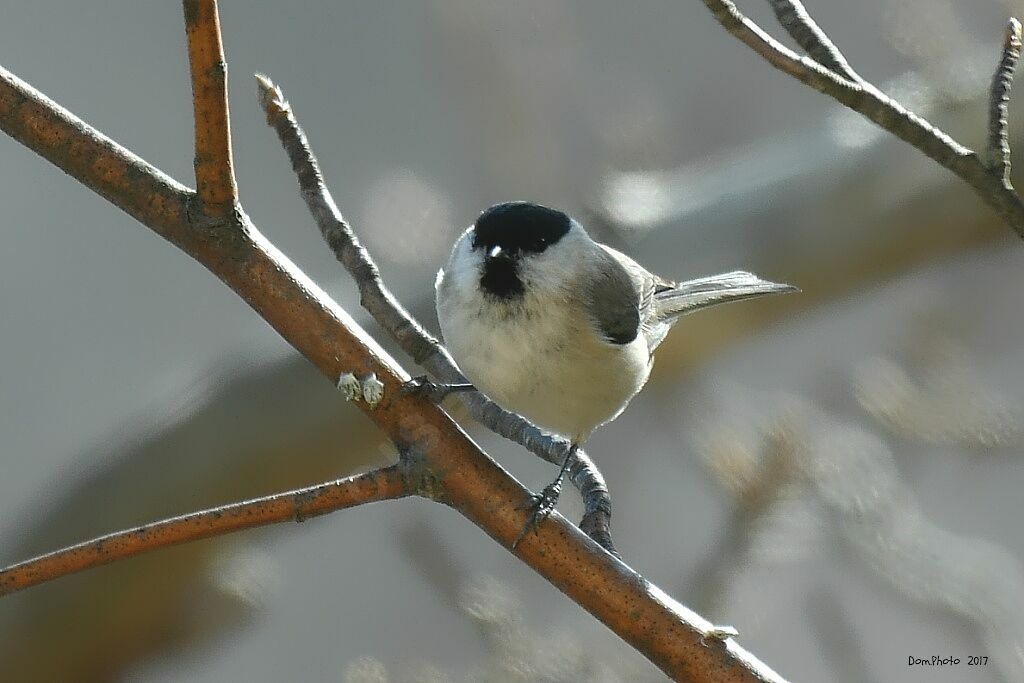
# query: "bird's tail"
{"points": [[693, 295]]}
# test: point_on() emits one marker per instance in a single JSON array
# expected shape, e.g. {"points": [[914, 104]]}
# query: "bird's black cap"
{"points": [[519, 227]]}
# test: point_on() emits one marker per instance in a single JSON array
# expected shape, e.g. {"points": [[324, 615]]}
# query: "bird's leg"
{"points": [[433, 391], [543, 504]]}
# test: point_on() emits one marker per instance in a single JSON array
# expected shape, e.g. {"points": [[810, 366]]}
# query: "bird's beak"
{"points": [[495, 252]]}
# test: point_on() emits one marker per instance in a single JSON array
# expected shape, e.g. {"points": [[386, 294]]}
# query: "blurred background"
{"points": [[837, 473]]}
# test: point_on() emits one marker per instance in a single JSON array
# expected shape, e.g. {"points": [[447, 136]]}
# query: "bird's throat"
{"points": [[499, 278]]}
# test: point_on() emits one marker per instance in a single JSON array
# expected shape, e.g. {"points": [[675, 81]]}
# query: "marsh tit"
{"points": [[557, 327]]}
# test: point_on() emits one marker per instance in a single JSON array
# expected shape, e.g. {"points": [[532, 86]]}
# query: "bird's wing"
{"points": [[620, 296], [660, 302]]}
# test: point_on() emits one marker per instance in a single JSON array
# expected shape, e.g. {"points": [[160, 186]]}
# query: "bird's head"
{"points": [[511, 240]]}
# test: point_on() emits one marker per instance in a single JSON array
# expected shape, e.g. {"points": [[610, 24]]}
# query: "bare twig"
{"points": [[215, 175], [438, 461], [298, 505], [424, 349], [866, 99], [998, 152], [793, 17]]}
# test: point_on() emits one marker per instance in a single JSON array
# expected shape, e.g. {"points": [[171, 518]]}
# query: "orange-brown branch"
{"points": [[215, 175], [298, 505], [88, 156]]}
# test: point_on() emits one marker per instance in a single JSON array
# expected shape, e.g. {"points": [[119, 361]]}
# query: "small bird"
{"points": [[559, 328]]}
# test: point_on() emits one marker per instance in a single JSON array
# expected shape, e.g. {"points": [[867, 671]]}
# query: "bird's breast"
{"points": [[551, 368]]}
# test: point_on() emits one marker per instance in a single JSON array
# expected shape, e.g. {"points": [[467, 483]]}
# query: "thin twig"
{"points": [[889, 114], [793, 17], [215, 175], [298, 505], [998, 152], [438, 461], [421, 346]]}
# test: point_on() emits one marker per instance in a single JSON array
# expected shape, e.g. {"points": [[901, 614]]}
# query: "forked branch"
{"points": [[793, 17], [825, 69], [437, 460]]}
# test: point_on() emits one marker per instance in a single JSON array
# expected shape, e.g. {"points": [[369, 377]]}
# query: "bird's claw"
{"points": [[542, 505], [434, 392]]}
